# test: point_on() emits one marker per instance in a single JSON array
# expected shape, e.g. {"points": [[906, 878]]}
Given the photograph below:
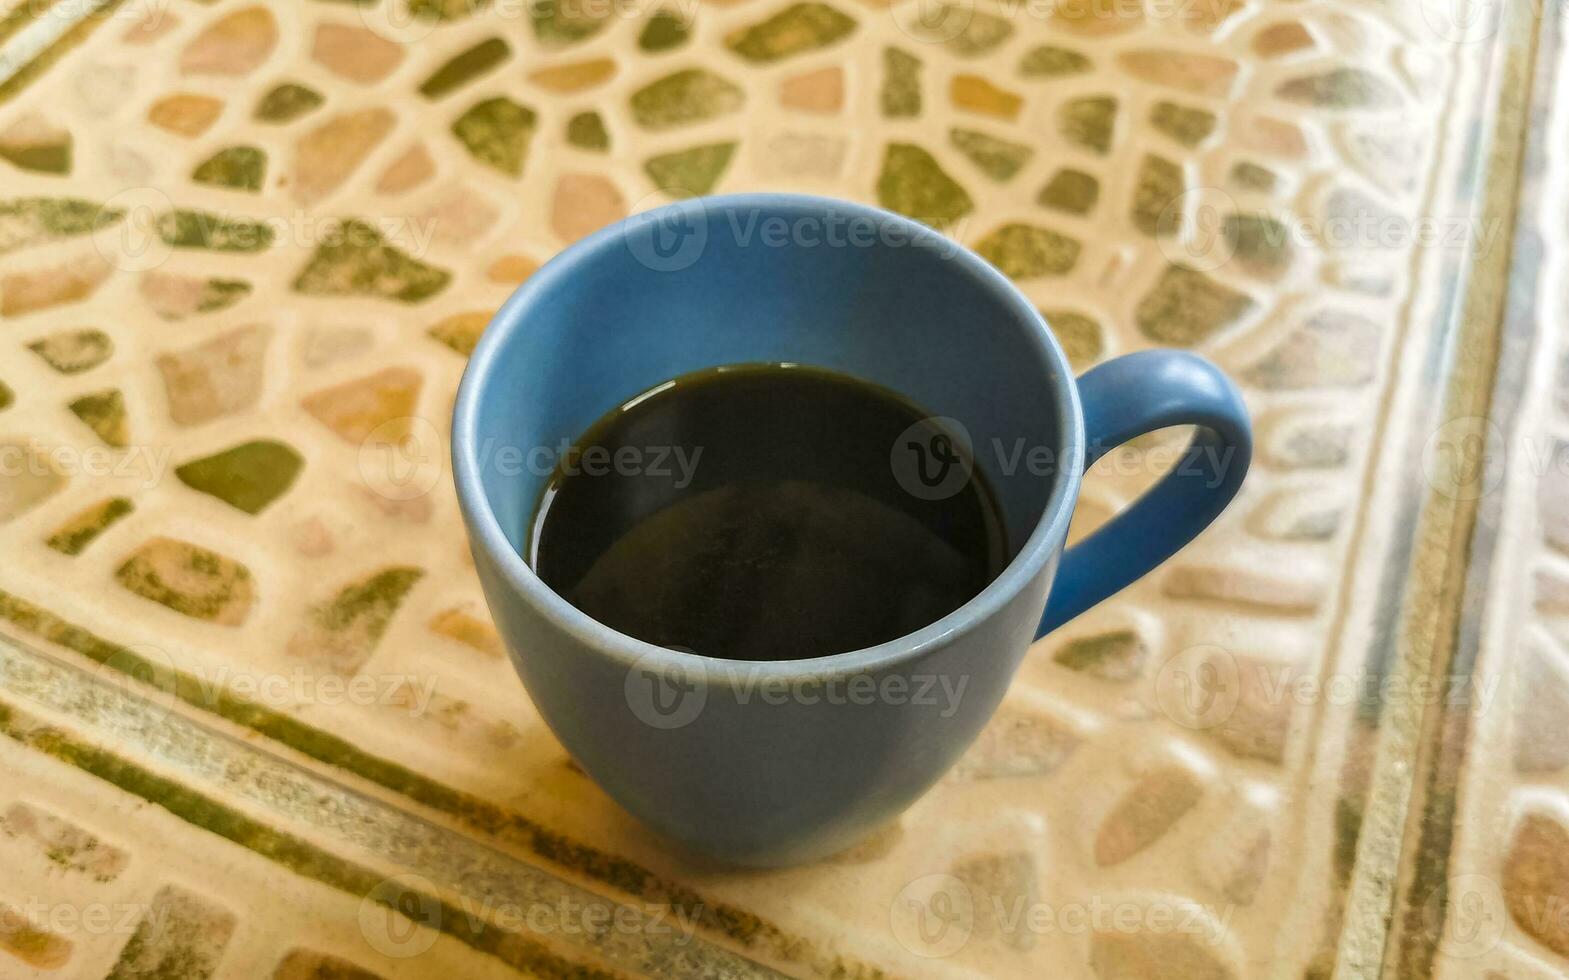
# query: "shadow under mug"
{"points": [[785, 761]]}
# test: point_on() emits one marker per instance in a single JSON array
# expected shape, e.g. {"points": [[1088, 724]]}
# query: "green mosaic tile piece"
{"points": [[190, 580], [1050, 61], [73, 537], [1023, 251], [586, 130], [1186, 306], [496, 132], [184, 228], [901, 92], [460, 331], [684, 97], [913, 184], [1080, 334], [176, 297], [464, 67], [560, 23], [1340, 88], [342, 632], [794, 30], [181, 935], [445, 11], [1158, 186], [49, 156], [220, 294], [7, 396], [248, 476], [1089, 121], [74, 351], [1070, 190], [690, 172], [240, 167], [981, 31], [664, 31], [303, 964], [104, 413], [1185, 124], [69, 848], [357, 261], [1260, 244], [1252, 177], [36, 220], [999, 159], [1117, 656], [287, 102]]}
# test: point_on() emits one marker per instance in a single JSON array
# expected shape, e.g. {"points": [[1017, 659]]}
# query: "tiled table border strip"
{"points": [[1392, 880], [1503, 327], [205, 777], [737, 925], [37, 33]]}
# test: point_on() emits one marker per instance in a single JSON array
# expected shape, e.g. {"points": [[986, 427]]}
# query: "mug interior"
{"points": [[773, 278]]}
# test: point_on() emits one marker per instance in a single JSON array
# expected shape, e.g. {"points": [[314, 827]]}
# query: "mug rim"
{"points": [[485, 530]]}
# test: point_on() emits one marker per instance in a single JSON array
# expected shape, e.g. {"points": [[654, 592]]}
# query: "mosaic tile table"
{"points": [[257, 723]]}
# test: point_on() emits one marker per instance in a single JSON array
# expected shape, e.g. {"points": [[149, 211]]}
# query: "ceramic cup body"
{"points": [[785, 761]]}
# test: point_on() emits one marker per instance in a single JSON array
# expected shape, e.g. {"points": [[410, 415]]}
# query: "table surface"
{"points": [[258, 723]]}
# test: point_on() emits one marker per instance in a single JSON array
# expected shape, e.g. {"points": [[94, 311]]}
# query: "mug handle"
{"points": [[1127, 397]]}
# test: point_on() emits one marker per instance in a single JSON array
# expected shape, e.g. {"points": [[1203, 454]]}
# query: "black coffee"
{"points": [[753, 513]]}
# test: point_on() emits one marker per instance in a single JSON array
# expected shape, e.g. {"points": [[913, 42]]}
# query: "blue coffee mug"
{"points": [[785, 761]]}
